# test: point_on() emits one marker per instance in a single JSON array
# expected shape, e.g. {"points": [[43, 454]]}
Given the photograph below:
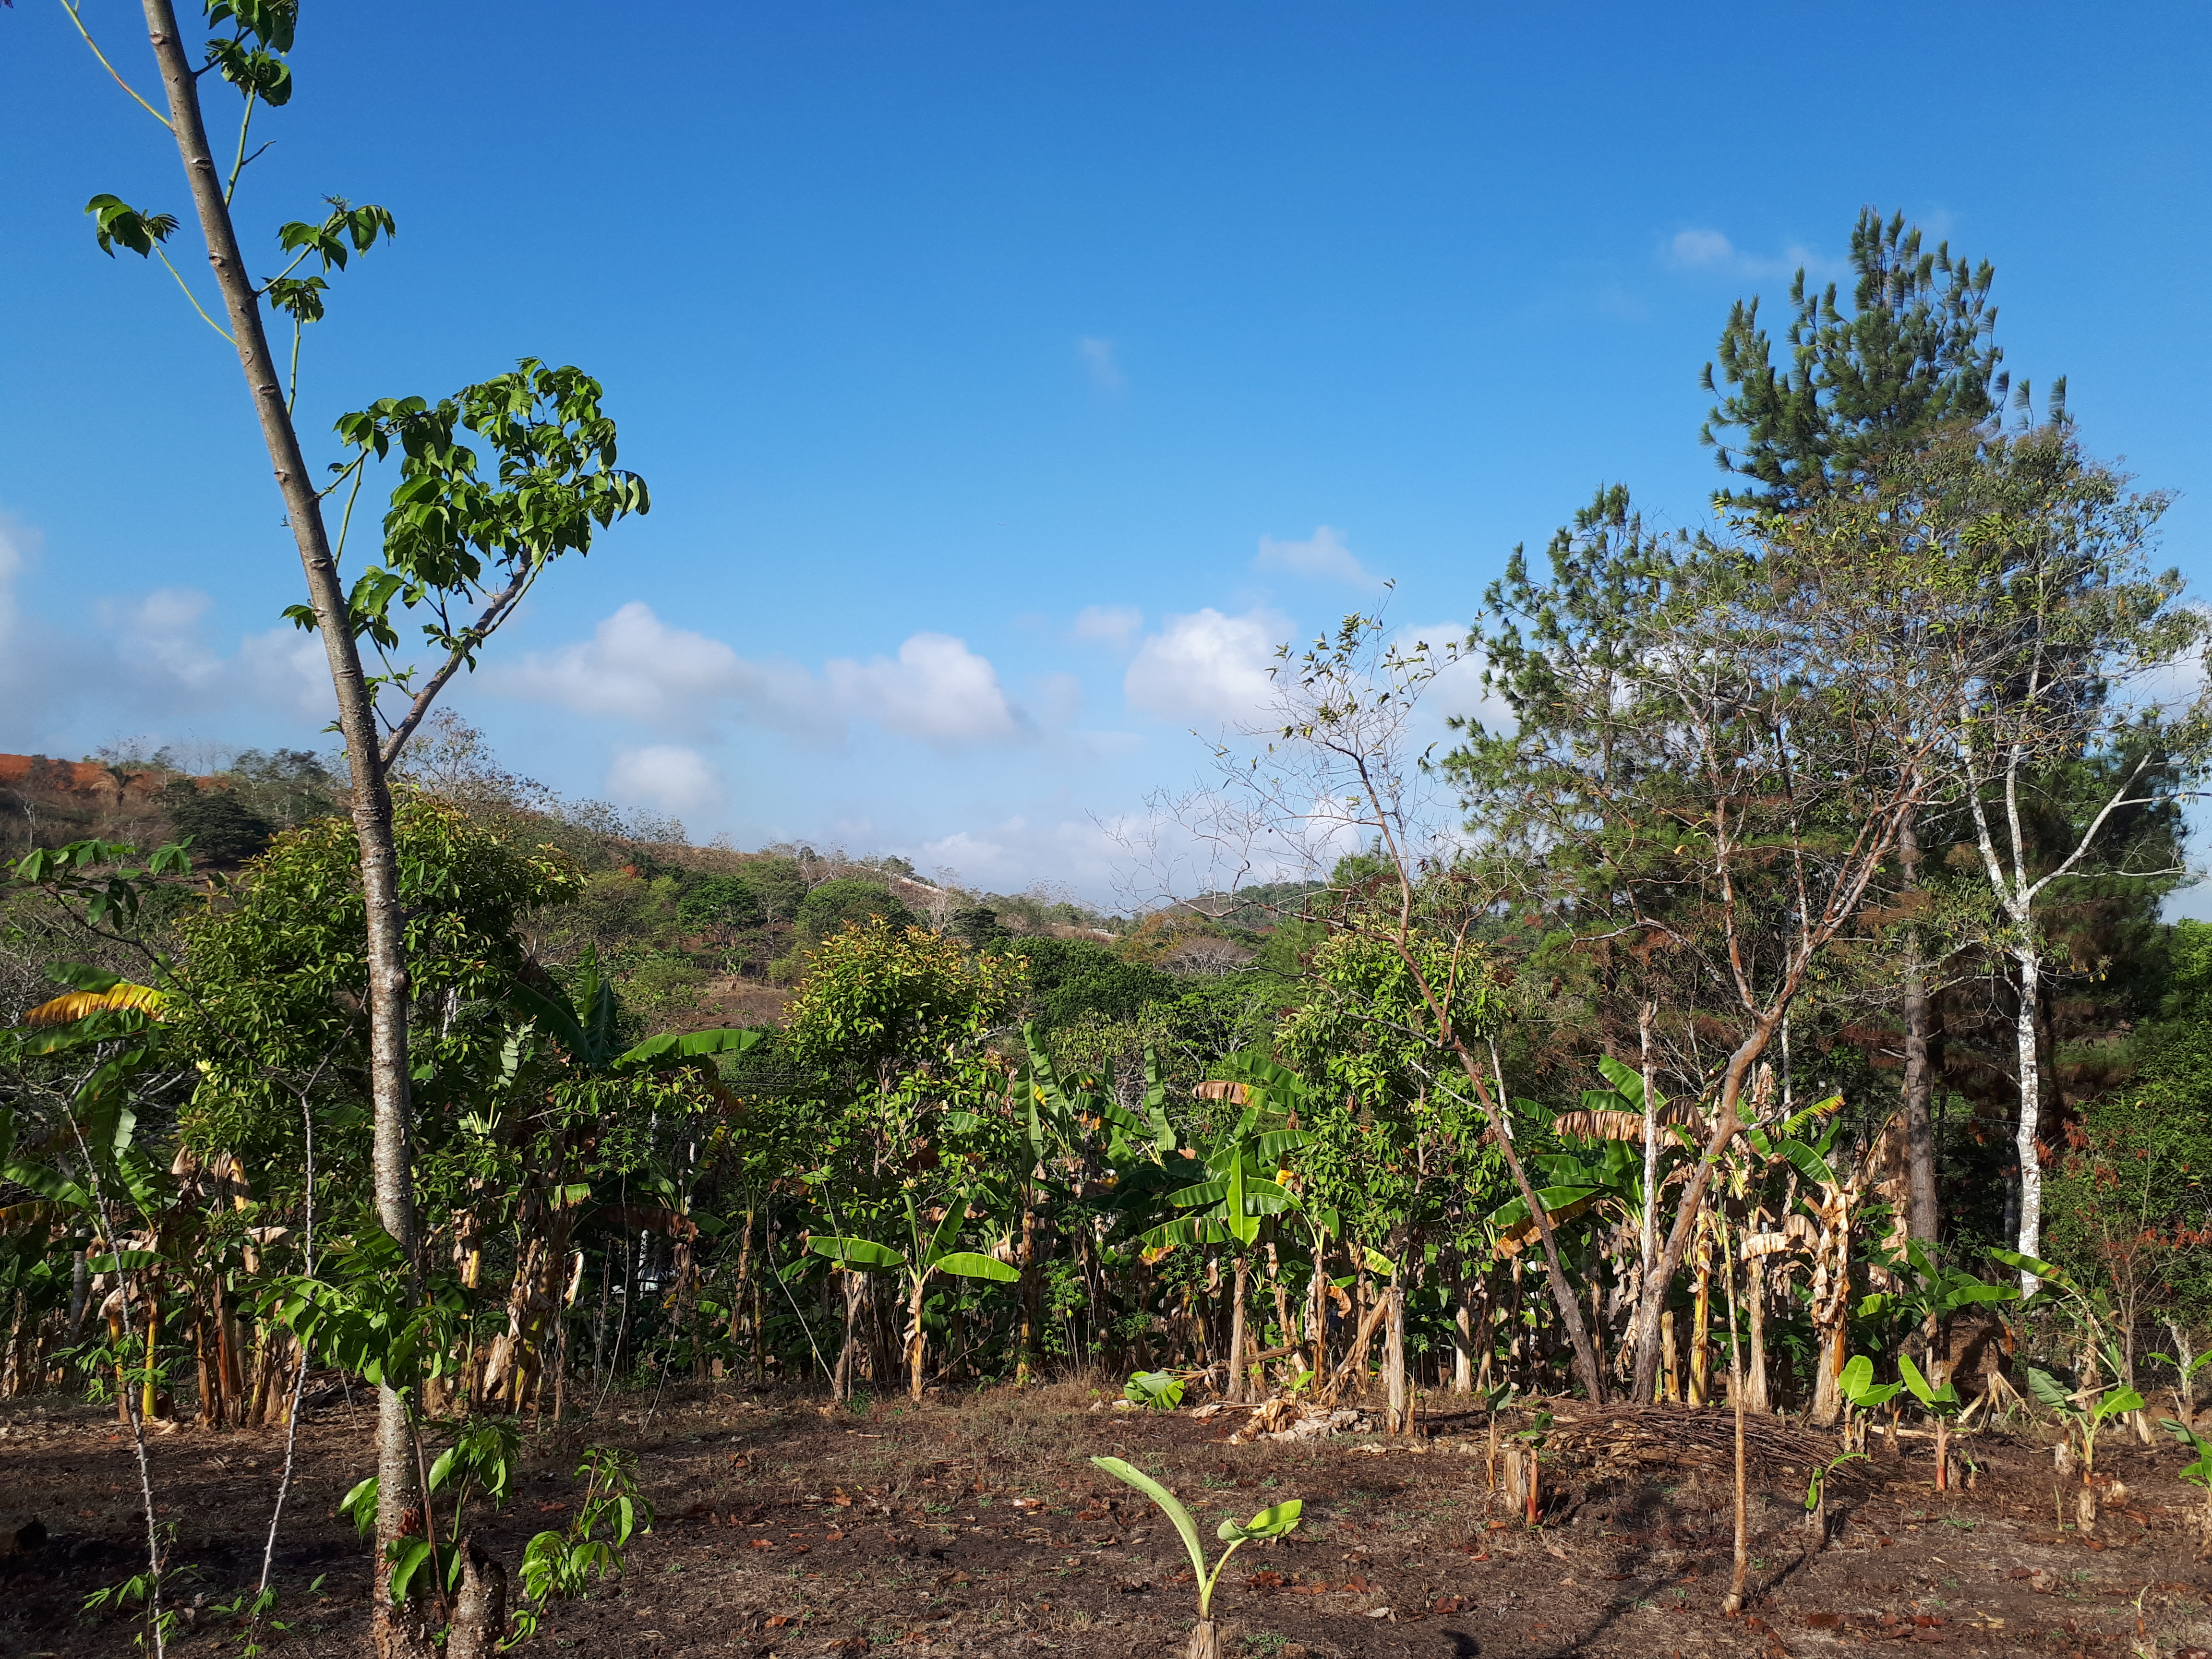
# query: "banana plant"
{"points": [[1861, 1395], [2083, 1412], [1271, 1522], [930, 1252], [586, 1024], [2197, 1474], [1930, 1291], [1243, 1186], [1823, 1233], [1942, 1404]]}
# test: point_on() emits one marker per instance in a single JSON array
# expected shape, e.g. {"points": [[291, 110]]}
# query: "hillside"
{"points": [[693, 936]]}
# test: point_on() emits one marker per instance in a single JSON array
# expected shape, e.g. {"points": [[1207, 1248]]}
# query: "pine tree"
{"points": [[1914, 352]]}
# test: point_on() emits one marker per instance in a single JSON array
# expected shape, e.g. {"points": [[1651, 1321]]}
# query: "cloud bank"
{"points": [[637, 667]]}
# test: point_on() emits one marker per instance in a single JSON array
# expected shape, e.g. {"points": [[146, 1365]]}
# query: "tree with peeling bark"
{"points": [[460, 550]]}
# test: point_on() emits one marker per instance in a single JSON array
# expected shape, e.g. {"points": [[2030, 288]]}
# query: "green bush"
{"points": [[834, 904], [720, 904]]}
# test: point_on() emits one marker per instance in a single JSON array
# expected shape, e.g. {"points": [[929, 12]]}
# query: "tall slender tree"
{"points": [[1915, 354], [459, 549]]}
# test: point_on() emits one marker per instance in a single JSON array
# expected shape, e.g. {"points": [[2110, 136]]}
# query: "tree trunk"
{"points": [[1024, 1374], [840, 1380], [1563, 1295], [1832, 1348], [2030, 1237], [1754, 1286], [395, 1632], [1237, 1282], [1725, 1125], [1701, 1326], [1922, 1214], [916, 1339], [480, 1609], [1648, 1232], [1317, 1312], [1393, 1353], [1463, 1339], [1282, 1297], [1741, 1566]]}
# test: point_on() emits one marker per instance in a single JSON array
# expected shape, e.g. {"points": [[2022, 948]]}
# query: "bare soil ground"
{"points": [[976, 1527]]}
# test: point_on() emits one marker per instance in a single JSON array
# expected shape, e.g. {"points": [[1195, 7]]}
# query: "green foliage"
{"points": [[778, 883], [847, 901], [2082, 1411], [1914, 353], [721, 904], [560, 1565], [2127, 1197], [1157, 1391], [272, 983], [1943, 1402], [1275, 1521], [218, 826], [879, 1001], [461, 548], [1857, 1386], [2198, 1472], [1071, 978]]}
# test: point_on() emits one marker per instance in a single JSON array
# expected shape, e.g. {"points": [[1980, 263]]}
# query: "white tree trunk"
{"points": [[2030, 1240]]}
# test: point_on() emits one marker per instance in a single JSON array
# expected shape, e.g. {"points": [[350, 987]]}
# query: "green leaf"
{"points": [[1158, 1391], [1858, 1384], [2117, 1403], [1925, 1392], [412, 1554], [1268, 1524], [970, 1264], [1808, 1163], [2028, 1264], [1627, 1082], [862, 1252], [1168, 1502], [2047, 1389], [693, 1045]]}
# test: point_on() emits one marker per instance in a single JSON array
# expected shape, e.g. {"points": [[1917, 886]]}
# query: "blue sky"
{"points": [[1009, 378]]}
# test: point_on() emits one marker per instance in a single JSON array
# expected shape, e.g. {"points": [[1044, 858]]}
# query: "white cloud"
{"points": [[938, 690], [1097, 356], [1322, 554], [637, 667], [1700, 249], [1207, 667], [163, 654], [159, 637], [1113, 623], [14, 539], [674, 779], [1008, 855]]}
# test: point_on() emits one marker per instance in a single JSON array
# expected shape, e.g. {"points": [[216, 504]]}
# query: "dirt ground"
{"points": [[975, 1526]]}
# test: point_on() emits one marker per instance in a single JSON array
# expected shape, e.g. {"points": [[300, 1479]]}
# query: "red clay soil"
{"points": [[976, 1527]]}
